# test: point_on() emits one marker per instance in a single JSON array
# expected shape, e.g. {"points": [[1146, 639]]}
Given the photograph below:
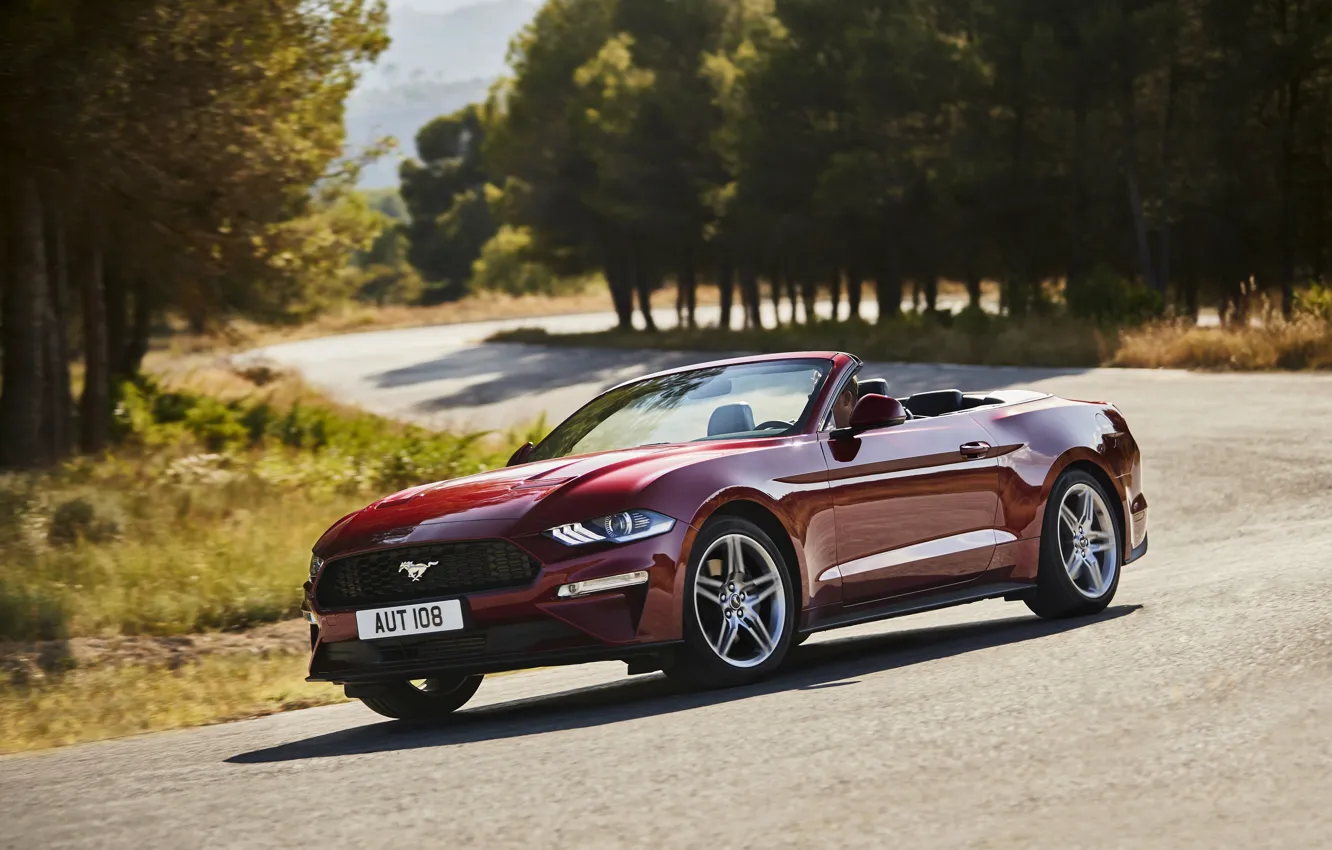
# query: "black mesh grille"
{"points": [[384, 577]]}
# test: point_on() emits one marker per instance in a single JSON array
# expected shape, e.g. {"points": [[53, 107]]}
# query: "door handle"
{"points": [[974, 450]]}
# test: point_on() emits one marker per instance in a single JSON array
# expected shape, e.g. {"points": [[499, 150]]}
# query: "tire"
{"points": [[435, 700], [760, 632], [1077, 590]]}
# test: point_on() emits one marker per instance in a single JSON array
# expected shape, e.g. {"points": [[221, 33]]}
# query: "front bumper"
{"points": [[530, 626]]}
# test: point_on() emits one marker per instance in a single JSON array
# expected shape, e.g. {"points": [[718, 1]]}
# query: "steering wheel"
{"points": [[773, 423]]}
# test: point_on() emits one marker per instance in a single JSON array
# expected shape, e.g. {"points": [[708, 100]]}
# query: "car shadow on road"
{"points": [[810, 667]]}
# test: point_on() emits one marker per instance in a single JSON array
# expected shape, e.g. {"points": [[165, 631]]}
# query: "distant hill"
{"points": [[443, 55]]}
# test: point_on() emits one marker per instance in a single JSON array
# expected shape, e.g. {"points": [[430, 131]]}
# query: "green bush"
{"points": [[29, 614], [504, 266], [1109, 299], [203, 515], [95, 520], [1315, 302]]}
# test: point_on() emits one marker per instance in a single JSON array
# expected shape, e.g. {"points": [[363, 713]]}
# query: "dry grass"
{"points": [[204, 515], [89, 704], [1302, 343]]}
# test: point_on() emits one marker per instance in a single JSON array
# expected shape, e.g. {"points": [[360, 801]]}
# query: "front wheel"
{"points": [[739, 608], [1080, 550], [425, 699]]}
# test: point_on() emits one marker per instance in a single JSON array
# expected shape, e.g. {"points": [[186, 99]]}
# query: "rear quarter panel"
{"points": [[1037, 440]]}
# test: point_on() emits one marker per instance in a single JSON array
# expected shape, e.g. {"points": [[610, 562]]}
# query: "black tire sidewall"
{"points": [[404, 701], [699, 665], [1056, 594]]}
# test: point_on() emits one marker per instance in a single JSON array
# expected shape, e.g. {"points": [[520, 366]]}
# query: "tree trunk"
{"points": [[60, 405], [775, 293], [95, 405], [141, 319], [686, 280], [973, 287], [809, 293], [23, 384], [1288, 199], [1077, 249], [643, 282], [1016, 290], [1167, 166], [753, 301], [621, 286], [726, 293], [117, 304], [854, 281], [888, 277], [835, 292], [1190, 289], [1128, 106], [789, 283]]}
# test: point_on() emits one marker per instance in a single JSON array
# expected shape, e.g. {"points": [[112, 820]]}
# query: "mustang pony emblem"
{"points": [[415, 570]]}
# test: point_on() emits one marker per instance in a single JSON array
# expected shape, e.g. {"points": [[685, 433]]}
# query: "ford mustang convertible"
{"points": [[703, 521]]}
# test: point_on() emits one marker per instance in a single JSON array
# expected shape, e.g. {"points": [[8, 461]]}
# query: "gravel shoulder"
{"points": [[1194, 713]]}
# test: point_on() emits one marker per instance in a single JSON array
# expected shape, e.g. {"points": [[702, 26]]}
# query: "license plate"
{"points": [[404, 620]]}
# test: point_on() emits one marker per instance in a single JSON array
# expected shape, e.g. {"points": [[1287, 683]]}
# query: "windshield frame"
{"points": [[813, 405]]}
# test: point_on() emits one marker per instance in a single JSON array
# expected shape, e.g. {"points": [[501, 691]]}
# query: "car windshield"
{"points": [[766, 399]]}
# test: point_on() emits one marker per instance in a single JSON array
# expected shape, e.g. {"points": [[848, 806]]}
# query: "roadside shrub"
{"points": [[1109, 299], [973, 320], [204, 514], [81, 518], [1315, 303], [505, 266], [28, 614]]}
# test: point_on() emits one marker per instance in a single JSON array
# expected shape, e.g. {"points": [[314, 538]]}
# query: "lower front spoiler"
{"points": [[494, 650], [1139, 551]]}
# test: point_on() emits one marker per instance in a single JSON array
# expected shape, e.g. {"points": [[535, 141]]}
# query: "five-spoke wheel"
{"points": [[1080, 549], [1087, 540], [738, 610], [740, 600]]}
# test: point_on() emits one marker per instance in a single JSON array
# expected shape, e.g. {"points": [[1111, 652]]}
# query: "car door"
{"points": [[914, 506]]}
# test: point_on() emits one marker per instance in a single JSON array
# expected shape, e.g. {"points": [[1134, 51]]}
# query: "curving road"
{"points": [[1194, 713]]}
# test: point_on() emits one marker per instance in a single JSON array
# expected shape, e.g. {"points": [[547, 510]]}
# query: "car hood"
{"points": [[543, 491]]}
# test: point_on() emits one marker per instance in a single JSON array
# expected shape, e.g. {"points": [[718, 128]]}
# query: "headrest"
{"points": [[876, 386], [731, 419]]}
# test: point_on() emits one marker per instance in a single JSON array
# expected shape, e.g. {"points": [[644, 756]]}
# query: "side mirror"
{"points": [[872, 411], [521, 456]]}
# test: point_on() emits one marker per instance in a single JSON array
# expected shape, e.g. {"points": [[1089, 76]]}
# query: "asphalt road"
{"points": [[1196, 712]]}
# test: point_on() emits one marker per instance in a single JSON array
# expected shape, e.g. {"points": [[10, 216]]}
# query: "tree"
{"points": [[168, 146], [445, 196]]}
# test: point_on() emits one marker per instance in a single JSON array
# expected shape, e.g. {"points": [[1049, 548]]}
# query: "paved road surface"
{"points": [[1195, 713], [443, 377]]}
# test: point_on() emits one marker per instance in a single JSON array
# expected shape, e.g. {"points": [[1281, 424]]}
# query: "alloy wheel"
{"points": [[740, 600], [1087, 543]]}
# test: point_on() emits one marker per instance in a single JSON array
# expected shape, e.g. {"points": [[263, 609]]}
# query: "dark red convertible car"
{"points": [[705, 520]]}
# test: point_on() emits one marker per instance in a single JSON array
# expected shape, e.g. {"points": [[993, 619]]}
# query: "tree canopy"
{"points": [[1178, 144], [157, 155]]}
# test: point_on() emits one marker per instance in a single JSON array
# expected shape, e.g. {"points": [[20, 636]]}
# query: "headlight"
{"points": [[315, 563], [616, 528]]}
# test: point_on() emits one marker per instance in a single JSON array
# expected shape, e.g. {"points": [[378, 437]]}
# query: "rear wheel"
{"points": [[421, 699], [1080, 549], [739, 608]]}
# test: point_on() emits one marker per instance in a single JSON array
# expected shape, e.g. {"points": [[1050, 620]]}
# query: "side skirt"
{"points": [[1010, 591]]}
